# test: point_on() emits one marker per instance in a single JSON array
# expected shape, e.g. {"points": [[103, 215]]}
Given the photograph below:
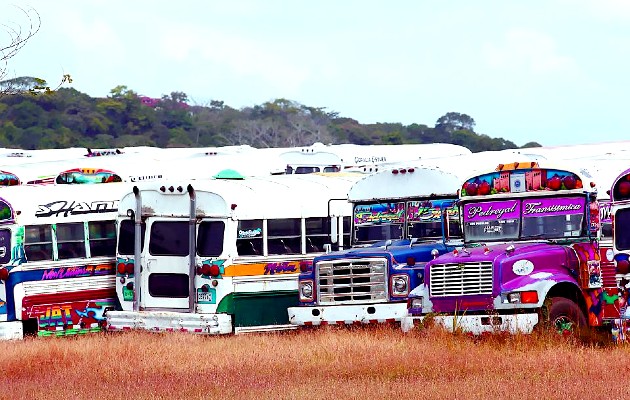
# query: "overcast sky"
{"points": [[551, 71]]}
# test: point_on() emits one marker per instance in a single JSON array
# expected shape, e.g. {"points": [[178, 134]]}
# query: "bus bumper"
{"points": [[11, 330], [476, 324], [347, 314], [166, 321]]}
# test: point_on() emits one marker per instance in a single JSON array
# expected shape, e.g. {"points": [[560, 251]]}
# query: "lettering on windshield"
{"points": [[551, 207], [492, 210]]}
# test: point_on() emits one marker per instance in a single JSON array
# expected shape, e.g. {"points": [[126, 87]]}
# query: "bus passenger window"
{"points": [[70, 240], [102, 238], [249, 237], [38, 242], [284, 236], [317, 234], [210, 238], [248, 248], [127, 235]]}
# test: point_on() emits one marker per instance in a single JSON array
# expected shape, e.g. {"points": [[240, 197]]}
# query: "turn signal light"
{"points": [[529, 297], [214, 270]]}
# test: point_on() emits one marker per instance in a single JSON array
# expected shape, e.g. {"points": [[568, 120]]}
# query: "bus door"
{"points": [[166, 262]]}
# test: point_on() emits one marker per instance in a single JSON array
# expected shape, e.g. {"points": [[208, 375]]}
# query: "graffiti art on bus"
{"points": [[78, 271], [521, 181], [383, 212], [65, 208], [270, 268], [71, 315], [280, 268]]}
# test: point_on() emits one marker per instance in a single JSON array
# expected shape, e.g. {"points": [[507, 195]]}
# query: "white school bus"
{"points": [[223, 255], [57, 258]]}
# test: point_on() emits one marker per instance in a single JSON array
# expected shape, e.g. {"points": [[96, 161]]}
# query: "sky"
{"points": [[549, 71]]}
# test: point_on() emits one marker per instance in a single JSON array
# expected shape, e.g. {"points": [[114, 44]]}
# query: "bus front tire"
{"points": [[565, 316]]}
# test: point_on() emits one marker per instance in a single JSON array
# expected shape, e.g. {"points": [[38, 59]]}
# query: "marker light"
{"points": [[214, 270], [121, 269], [4, 274], [129, 269]]}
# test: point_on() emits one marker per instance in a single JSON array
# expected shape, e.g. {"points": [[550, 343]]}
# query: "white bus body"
{"points": [[223, 255], [57, 258]]}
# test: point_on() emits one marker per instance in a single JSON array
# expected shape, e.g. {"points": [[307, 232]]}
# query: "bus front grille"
{"points": [[460, 279], [348, 281]]}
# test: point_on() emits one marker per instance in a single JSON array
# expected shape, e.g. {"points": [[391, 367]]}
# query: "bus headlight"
{"points": [[400, 285], [306, 290]]}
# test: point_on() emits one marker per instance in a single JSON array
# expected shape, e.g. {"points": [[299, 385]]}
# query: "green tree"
{"points": [[453, 121]]}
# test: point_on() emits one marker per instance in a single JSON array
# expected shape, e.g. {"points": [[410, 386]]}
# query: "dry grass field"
{"points": [[330, 363]]}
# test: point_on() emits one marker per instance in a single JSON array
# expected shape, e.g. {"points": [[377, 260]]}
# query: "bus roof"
{"points": [[402, 183], [277, 196], [528, 180]]}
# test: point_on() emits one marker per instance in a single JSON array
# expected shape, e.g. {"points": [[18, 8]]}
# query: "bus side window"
{"points": [[317, 234], [284, 236], [70, 240], [249, 237], [38, 242], [346, 231], [210, 238], [247, 248], [102, 238]]}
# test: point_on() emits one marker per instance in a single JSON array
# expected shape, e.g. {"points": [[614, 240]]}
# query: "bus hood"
{"points": [[498, 251], [420, 251]]}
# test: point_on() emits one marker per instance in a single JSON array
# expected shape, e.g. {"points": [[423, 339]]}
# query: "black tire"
{"points": [[565, 316]]}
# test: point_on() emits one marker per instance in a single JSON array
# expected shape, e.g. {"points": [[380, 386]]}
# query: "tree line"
{"points": [[66, 117]]}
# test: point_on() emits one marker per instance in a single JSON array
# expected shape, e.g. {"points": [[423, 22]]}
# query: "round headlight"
{"points": [[307, 289], [400, 284]]}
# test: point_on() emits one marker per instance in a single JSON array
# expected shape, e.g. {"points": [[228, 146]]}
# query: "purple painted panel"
{"points": [[553, 206], [492, 210]]}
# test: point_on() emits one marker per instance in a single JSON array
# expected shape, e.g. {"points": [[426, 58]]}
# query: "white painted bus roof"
{"points": [[422, 182], [278, 196]]}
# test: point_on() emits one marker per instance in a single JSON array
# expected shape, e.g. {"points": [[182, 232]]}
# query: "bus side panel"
{"points": [[68, 313], [258, 309]]}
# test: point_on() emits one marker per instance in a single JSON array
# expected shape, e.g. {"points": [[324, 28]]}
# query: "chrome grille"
{"points": [[350, 281], [459, 279]]}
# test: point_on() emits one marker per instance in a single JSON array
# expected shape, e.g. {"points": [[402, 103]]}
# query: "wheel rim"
{"points": [[564, 325]]}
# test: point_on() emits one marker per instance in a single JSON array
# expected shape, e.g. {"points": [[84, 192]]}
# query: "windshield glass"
{"points": [[424, 219], [379, 221], [553, 218], [530, 218], [622, 229], [492, 220]]}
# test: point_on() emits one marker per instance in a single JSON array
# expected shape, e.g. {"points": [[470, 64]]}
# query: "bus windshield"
{"points": [[622, 229], [524, 219], [416, 219]]}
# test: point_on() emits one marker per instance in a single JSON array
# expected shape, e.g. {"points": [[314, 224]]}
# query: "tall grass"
{"points": [[329, 363]]}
